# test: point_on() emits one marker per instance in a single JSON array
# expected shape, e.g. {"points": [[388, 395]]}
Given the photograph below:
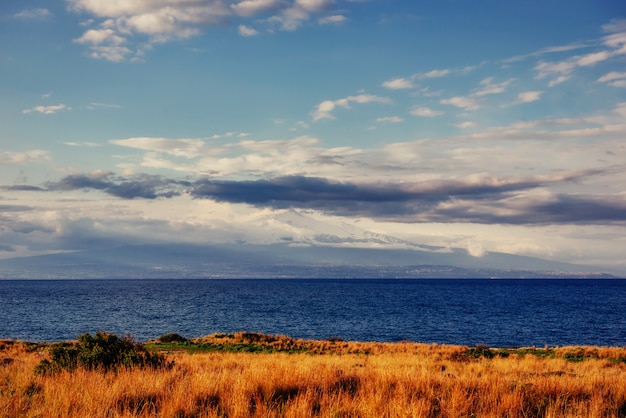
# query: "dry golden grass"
{"points": [[392, 380]]}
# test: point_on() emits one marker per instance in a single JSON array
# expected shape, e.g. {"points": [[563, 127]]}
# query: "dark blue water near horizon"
{"points": [[499, 313]]}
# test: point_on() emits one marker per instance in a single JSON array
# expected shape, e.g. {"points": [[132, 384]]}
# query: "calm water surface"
{"points": [[455, 311]]}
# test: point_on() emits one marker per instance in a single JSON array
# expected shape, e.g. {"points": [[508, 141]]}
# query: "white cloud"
{"points": [[522, 155], [562, 68], [489, 87], [465, 125], [614, 79], [550, 50], [560, 79], [463, 102], [97, 105], [82, 144], [164, 25], [313, 5], [425, 112], [368, 98], [300, 125], [436, 73], [103, 8], [120, 22], [247, 31], [399, 84], [110, 53], [615, 25], [592, 59], [324, 109], [528, 96], [613, 75], [47, 110], [333, 19], [390, 119], [161, 20], [183, 147], [291, 18], [249, 8], [8, 157], [515, 149], [615, 42], [100, 36], [621, 109], [302, 154], [33, 14], [105, 43]]}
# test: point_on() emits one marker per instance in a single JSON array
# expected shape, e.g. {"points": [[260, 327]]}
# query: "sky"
{"points": [[488, 125]]}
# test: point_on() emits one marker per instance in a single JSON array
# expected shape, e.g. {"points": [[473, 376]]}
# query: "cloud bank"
{"points": [[125, 30], [478, 199]]}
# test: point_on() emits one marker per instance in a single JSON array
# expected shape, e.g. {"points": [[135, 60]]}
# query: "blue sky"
{"points": [[490, 125]]}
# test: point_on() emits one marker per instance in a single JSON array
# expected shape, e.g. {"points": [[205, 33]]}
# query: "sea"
{"points": [[493, 312]]}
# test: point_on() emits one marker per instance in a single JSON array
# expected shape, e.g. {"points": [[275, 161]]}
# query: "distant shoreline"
{"points": [[254, 342]]}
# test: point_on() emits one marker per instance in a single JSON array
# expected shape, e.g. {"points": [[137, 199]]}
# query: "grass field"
{"points": [[254, 375]]}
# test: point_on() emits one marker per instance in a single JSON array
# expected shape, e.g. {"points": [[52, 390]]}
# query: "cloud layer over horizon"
{"points": [[209, 120]]}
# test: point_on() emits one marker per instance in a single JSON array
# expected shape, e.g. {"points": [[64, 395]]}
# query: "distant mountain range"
{"points": [[278, 261], [290, 245]]}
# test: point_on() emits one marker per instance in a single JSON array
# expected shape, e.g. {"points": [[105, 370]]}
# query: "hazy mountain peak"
{"points": [[299, 227]]}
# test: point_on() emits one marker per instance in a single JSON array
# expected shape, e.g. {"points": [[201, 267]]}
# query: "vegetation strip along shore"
{"points": [[254, 375]]}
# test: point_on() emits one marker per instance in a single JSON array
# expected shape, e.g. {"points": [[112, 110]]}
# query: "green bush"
{"points": [[104, 352], [481, 350], [172, 338]]}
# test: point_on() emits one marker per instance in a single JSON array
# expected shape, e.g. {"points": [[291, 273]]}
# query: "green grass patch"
{"points": [[532, 351], [574, 355], [193, 347]]}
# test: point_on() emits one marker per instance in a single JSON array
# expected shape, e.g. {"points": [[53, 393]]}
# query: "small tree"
{"points": [[104, 351]]}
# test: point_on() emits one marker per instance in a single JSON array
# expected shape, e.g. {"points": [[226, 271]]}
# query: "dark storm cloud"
{"points": [[22, 188], [430, 201], [81, 181], [483, 200], [574, 208], [293, 190], [307, 191], [132, 189], [7, 248], [15, 208], [141, 186], [560, 209]]}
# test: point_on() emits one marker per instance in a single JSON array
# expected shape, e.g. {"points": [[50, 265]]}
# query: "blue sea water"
{"points": [[499, 313]]}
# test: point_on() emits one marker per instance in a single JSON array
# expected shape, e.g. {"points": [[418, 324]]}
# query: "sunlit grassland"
{"points": [[252, 375]]}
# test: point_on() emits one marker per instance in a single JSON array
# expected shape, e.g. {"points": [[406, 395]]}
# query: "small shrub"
{"points": [[33, 389], [137, 405], [105, 352], [172, 338], [224, 335], [621, 410], [346, 384], [575, 356], [481, 350]]}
